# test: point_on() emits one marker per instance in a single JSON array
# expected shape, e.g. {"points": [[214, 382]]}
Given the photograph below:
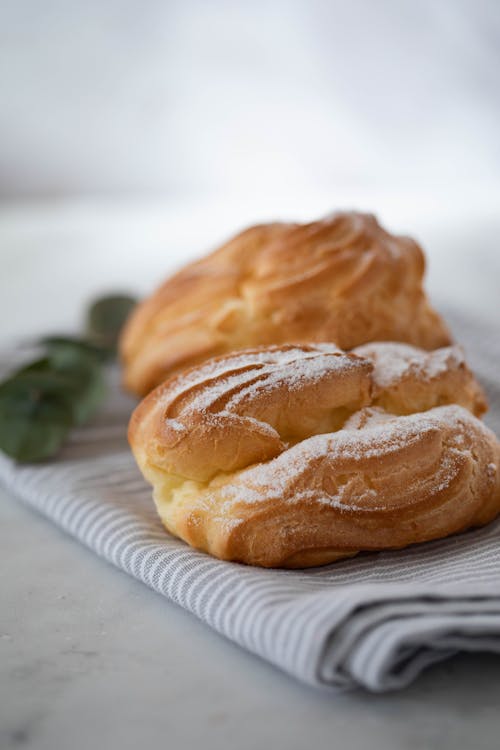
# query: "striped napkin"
{"points": [[374, 621]]}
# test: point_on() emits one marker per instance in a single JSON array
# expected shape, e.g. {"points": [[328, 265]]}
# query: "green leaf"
{"points": [[106, 318], [78, 379], [35, 416], [42, 400], [63, 348], [86, 382], [38, 365]]}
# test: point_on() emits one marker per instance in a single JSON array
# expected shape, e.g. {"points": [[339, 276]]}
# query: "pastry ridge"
{"points": [[343, 279], [299, 455]]}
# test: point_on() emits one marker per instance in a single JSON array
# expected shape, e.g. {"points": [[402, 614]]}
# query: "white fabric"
{"points": [[374, 621]]}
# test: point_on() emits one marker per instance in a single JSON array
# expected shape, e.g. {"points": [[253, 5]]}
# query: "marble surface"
{"points": [[108, 663]]}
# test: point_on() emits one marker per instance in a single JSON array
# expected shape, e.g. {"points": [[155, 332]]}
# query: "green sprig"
{"points": [[43, 400]]}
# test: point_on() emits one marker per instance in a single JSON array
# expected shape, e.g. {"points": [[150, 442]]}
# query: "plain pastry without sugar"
{"points": [[298, 455], [342, 279]]}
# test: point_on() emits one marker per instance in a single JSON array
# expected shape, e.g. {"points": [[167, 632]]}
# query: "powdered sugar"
{"points": [[444, 360], [393, 361], [295, 474], [175, 425], [226, 384]]}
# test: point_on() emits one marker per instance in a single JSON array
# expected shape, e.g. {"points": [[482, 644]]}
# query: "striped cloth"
{"points": [[374, 621]]}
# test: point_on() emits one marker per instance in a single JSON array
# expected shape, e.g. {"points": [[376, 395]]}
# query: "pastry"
{"points": [[298, 455], [403, 376], [342, 279]]}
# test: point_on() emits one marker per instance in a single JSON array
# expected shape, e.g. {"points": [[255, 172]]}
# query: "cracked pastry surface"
{"points": [[298, 455], [342, 279]]}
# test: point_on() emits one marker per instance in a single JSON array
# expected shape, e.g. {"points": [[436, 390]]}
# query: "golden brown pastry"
{"points": [[298, 455], [408, 379], [342, 279]]}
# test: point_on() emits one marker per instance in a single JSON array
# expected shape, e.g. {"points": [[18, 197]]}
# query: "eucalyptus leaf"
{"points": [[42, 400], [62, 348], [106, 318], [78, 380], [38, 365], [86, 380], [35, 416]]}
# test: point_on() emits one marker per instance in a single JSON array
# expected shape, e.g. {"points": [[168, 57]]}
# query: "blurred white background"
{"points": [[197, 97], [136, 134]]}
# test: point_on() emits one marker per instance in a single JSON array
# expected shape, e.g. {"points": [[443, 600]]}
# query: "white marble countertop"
{"points": [[108, 663]]}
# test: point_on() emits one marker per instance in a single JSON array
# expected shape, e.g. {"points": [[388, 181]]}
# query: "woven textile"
{"points": [[375, 620]]}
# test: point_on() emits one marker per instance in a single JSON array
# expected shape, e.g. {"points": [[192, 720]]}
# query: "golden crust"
{"points": [[298, 455], [407, 380], [342, 279]]}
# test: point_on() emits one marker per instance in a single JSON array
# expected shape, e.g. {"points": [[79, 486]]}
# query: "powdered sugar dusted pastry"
{"points": [[342, 279], [408, 380], [283, 456]]}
